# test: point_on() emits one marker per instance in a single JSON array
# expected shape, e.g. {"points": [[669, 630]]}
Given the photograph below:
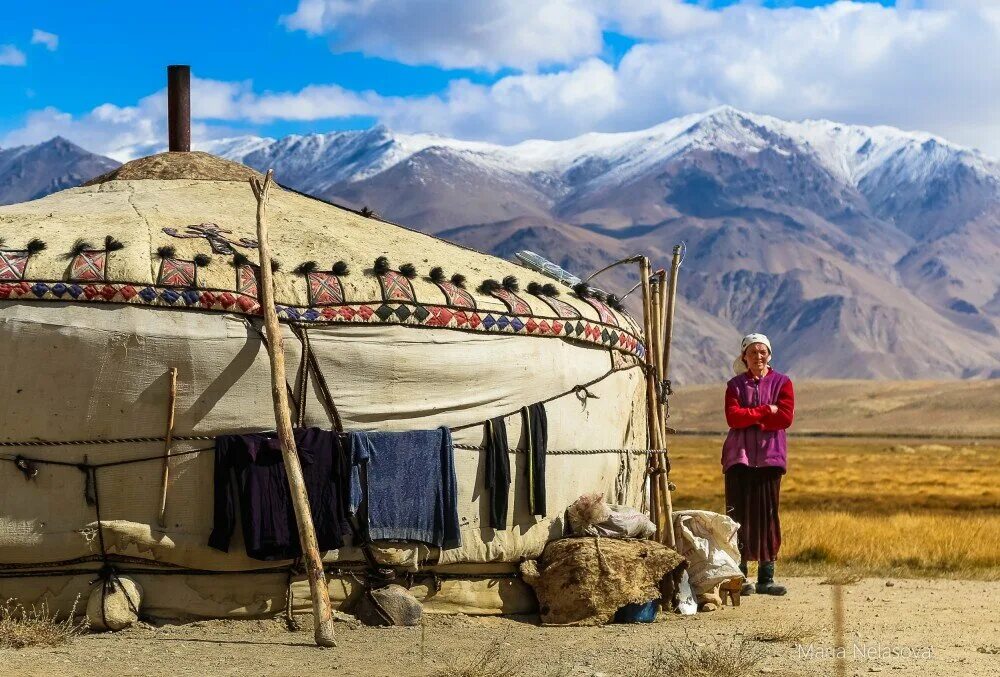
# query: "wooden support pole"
{"points": [[168, 441], [179, 108], [322, 611], [657, 482], [668, 332], [663, 481]]}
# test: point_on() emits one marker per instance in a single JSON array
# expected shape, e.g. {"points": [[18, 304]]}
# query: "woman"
{"points": [[760, 404]]}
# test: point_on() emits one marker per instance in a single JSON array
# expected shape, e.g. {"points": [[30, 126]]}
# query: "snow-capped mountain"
{"points": [[862, 251]]}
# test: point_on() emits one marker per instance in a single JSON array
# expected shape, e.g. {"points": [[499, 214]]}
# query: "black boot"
{"points": [[747, 588], [765, 580]]}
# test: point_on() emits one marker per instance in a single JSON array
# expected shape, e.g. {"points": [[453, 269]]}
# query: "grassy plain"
{"points": [[887, 507]]}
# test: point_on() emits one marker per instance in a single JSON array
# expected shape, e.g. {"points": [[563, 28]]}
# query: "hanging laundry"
{"points": [[403, 486], [250, 472], [497, 471], [536, 434]]}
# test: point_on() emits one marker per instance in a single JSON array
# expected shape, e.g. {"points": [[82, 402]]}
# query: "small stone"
{"points": [[394, 601], [889, 584]]}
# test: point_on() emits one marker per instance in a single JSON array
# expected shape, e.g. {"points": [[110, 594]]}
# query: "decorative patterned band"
{"points": [[378, 312]]}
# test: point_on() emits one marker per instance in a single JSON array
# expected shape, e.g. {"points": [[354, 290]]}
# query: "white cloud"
{"points": [[11, 56], [40, 37], [456, 33], [931, 67]]}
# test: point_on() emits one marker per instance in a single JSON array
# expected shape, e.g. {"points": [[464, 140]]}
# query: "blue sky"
{"points": [[502, 70]]}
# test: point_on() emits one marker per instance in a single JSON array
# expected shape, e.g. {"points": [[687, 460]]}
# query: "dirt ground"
{"points": [[902, 627]]}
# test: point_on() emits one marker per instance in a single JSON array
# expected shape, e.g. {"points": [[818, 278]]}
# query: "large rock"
{"points": [[391, 605], [122, 601]]}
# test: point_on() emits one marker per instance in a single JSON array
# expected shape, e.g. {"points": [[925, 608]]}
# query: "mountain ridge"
{"points": [[865, 252]]}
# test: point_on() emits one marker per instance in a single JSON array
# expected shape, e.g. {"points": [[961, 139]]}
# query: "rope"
{"points": [[118, 440], [572, 452], [86, 465]]}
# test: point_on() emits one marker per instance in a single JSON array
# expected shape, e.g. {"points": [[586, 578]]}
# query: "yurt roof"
{"points": [[167, 209]]}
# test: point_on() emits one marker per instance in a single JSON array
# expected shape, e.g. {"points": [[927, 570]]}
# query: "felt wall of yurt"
{"points": [[86, 344]]}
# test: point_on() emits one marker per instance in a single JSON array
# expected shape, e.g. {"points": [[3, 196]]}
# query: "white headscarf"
{"points": [[738, 365]]}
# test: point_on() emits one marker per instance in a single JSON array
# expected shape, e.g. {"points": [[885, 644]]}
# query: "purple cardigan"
{"points": [[753, 446]]}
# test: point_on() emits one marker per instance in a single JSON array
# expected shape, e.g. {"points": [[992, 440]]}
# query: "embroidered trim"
{"points": [[13, 263], [177, 273], [514, 303], [561, 308], [456, 296], [246, 279], [396, 287], [324, 289], [216, 237], [425, 315], [90, 265], [603, 311]]}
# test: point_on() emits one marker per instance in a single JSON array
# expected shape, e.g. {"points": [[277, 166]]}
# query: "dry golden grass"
{"points": [[22, 627], [787, 631], [874, 507]]}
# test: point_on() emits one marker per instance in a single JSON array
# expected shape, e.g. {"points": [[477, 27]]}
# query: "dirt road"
{"points": [[911, 627]]}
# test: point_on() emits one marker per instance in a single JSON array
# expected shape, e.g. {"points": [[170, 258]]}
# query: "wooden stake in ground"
{"points": [[663, 480], [168, 441], [322, 612]]}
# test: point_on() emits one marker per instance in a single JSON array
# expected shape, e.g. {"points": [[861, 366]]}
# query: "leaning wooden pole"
{"points": [[322, 612], [668, 332], [168, 442]]}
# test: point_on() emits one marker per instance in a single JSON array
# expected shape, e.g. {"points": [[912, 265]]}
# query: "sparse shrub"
{"points": [[733, 657], [22, 627]]}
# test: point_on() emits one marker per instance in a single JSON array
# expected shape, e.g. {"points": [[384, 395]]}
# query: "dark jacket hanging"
{"points": [[250, 472], [536, 434], [497, 471]]}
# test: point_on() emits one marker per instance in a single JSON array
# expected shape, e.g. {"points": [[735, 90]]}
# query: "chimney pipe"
{"points": [[179, 107]]}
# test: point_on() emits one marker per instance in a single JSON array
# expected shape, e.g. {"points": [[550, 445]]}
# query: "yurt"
{"points": [[145, 281]]}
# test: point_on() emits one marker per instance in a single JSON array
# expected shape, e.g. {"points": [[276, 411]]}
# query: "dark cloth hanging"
{"points": [[403, 486], [497, 471], [250, 472], [536, 433], [752, 500]]}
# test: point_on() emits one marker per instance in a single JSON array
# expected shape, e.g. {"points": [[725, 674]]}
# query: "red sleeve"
{"points": [[742, 417], [786, 410]]}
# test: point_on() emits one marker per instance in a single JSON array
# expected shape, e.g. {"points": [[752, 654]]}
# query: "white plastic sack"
{"points": [[708, 541], [687, 605]]}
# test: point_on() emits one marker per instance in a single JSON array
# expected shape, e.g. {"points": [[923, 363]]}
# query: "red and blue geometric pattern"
{"points": [[177, 273], [426, 315], [325, 289], [396, 287], [13, 264], [456, 296], [90, 265], [603, 311], [246, 279], [514, 303], [561, 308]]}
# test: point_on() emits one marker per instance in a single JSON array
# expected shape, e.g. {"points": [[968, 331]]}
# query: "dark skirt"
{"points": [[752, 500]]}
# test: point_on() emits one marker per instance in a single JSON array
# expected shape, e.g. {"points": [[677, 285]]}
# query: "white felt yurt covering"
{"points": [[87, 337]]}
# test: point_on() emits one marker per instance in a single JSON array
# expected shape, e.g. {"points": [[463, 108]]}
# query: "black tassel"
{"points": [[437, 274], [535, 288], [381, 265], [35, 245], [167, 251], [489, 286], [78, 248], [583, 290], [341, 268], [458, 280], [549, 289], [510, 284], [616, 303], [306, 267], [408, 270], [240, 259], [275, 265], [112, 245], [202, 260]]}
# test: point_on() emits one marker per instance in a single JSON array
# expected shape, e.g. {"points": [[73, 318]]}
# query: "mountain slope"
{"points": [[30, 172], [866, 252]]}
